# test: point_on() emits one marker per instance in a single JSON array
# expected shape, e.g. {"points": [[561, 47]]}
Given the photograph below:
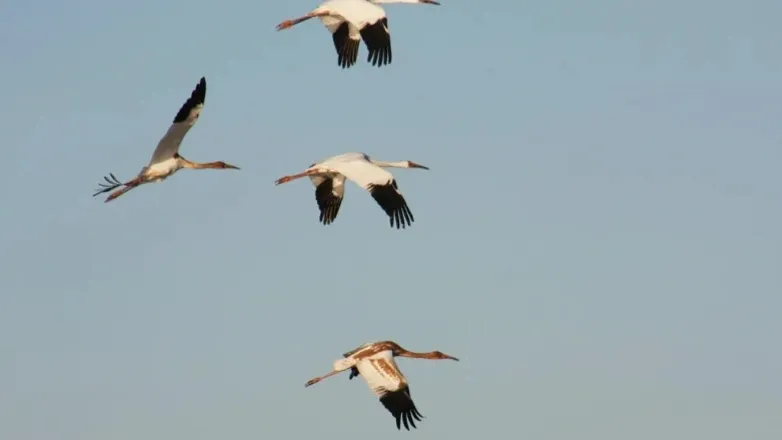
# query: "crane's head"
{"points": [[225, 166], [441, 355], [398, 164], [411, 164]]}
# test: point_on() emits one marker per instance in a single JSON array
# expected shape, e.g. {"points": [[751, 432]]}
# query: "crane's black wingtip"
{"points": [[198, 96], [401, 406], [200, 91]]}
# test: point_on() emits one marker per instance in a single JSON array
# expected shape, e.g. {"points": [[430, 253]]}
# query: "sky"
{"points": [[598, 238]]}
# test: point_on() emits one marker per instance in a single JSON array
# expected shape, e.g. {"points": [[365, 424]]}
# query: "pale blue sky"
{"points": [[598, 238]]}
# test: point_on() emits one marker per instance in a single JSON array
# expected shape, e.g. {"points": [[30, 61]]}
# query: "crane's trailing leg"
{"points": [[118, 193], [286, 179], [290, 23], [318, 379]]}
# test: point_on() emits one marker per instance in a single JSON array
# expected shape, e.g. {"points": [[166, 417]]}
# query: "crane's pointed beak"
{"points": [[452, 358], [429, 2], [417, 165]]}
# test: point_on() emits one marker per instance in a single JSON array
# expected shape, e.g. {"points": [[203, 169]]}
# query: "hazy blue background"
{"points": [[598, 238]]}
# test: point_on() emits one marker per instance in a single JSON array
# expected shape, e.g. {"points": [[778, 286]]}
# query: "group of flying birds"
{"points": [[349, 21]]}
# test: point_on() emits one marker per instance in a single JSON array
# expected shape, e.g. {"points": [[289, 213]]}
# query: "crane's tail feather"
{"points": [[113, 183]]}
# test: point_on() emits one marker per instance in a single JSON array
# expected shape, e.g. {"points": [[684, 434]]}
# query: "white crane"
{"points": [[329, 176], [166, 159], [352, 20], [375, 362]]}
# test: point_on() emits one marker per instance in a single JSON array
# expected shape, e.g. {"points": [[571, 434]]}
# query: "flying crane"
{"points": [[375, 362], [350, 21], [329, 176], [166, 159]]}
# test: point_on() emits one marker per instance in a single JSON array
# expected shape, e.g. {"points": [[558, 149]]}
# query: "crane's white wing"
{"points": [[329, 191], [390, 386], [184, 120], [381, 373], [380, 184]]}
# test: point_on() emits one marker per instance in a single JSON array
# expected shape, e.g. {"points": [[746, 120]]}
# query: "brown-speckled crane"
{"points": [[374, 362]]}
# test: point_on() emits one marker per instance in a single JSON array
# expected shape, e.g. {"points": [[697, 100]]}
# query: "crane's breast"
{"points": [[160, 170]]}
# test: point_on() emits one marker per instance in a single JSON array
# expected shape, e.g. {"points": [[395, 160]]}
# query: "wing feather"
{"points": [[384, 378], [378, 42], [378, 182], [393, 203], [346, 41], [184, 120], [329, 191], [400, 404]]}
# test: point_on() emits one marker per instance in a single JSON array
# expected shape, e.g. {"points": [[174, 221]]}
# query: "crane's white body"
{"points": [[358, 13], [159, 171], [357, 167]]}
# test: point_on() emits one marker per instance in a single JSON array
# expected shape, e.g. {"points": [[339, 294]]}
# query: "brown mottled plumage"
{"points": [[375, 363]]}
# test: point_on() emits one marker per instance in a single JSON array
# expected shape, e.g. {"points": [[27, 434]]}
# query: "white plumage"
{"points": [[169, 144], [329, 176], [350, 21]]}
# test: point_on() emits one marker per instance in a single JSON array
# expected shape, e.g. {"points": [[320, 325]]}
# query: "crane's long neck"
{"points": [[385, 164], [219, 165], [206, 165], [415, 355]]}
